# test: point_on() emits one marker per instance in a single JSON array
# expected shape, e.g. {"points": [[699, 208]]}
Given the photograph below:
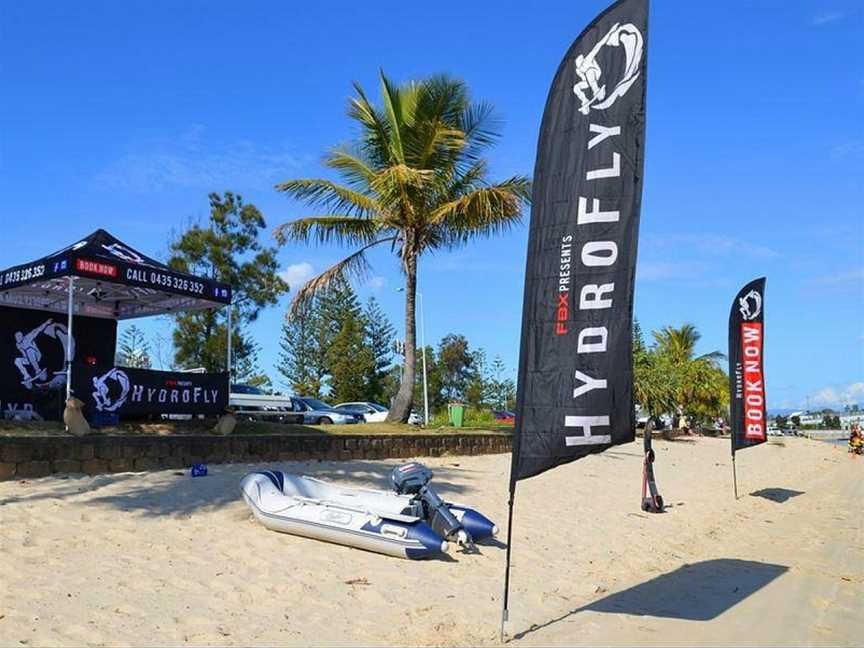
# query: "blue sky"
{"points": [[125, 115]]}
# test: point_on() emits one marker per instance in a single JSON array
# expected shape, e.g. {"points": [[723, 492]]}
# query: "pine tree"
{"points": [[380, 335], [478, 383], [300, 357], [502, 391], [134, 351], [349, 359], [227, 248]]}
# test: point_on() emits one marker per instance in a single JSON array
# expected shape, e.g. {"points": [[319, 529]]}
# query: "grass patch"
{"points": [[244, 428]]}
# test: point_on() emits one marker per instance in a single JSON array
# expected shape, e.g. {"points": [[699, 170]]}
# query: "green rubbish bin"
{"points": [[456, 412]]}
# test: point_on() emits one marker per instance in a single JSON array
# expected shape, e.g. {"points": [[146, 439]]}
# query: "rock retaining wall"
{"points": [[25, 457]]}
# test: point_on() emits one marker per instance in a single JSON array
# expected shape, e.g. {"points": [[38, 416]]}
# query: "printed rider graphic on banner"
{"points": [[101, 392], [750, 305], [589, 70], [29, 362]]}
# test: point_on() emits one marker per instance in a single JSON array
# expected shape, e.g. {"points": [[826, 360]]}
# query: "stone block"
{"points": [[120, 465], [239, 447], [173, 463], [65, 449], [109, 450], [156, 449], [86, 451], [34, 469], [94, 466], [67, 466], [146, 463], [181, 449], [7, 470], [15, 453]]}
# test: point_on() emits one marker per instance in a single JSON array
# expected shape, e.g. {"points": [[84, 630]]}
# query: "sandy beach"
{"points": [[164, 559]]}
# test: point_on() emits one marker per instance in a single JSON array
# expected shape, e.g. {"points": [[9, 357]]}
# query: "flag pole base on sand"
{"points": [[505, 612]]}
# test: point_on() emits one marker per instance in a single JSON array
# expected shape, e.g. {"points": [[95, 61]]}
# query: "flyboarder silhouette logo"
{"points": [[122, 252], [750, 305], [590, 92], [29, 363], [102, 392]]}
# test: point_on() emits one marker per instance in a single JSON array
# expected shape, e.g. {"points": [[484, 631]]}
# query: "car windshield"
{"points": [[377, 407], [316, 404], [246, 389]]}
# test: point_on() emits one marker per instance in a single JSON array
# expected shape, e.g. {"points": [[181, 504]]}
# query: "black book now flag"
{"points": [[575, 365], [746, 367], [575, 390]]}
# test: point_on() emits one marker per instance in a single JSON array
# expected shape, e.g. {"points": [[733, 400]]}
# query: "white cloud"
{"points": [[849, 148], [376, 283], [462, 261], [827, 17], [660, 270], [854, 277], [837, 396], [710, 244], [193, 160], [297, 274]]}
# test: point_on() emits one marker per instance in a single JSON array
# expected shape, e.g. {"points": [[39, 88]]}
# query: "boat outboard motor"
{"points": [[413, 479]]}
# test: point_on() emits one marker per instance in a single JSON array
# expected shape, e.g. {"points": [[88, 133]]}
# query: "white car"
{"points": [[317, 412], [371, 412]]}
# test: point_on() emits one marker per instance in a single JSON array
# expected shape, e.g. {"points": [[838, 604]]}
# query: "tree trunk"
{"points": [[401, 409]]}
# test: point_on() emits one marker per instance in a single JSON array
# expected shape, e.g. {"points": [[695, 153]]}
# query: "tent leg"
{"points": [[228, 361], [70, 338]]}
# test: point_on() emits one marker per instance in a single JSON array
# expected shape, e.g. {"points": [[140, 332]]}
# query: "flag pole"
{"points": [[505, 612], [734, 475]]}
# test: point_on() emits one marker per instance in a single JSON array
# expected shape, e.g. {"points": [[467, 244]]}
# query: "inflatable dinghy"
{"points": [[412, 522]]}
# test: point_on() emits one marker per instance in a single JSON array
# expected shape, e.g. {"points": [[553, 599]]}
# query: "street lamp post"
{"points": [[423, 352]]}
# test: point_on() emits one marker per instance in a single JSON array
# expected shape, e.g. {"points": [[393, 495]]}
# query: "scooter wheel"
{"points": [[646, 505]]}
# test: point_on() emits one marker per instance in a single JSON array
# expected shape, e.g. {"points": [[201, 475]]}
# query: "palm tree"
{"points": [[680, 344], [414, 180], [698, 385]]}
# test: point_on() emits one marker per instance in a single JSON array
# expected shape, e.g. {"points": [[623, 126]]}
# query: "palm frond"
{"points": [[485, 209], [433, 141], [353, 165], [395, 186], [333, 196], [481, 128], [713, 358], [376, 138], [330, 229], [394, 111], [354, 266]]}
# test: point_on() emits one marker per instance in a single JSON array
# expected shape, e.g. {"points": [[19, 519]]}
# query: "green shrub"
{"points": [[473, 418]]}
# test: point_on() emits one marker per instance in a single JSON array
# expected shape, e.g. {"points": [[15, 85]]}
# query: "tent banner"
{"points": [[747, 408], [136, 392], [103, 257], [33, 347], [575, 381]]}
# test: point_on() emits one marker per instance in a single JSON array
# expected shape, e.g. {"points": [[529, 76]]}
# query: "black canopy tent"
{"points": [[100, 276]]}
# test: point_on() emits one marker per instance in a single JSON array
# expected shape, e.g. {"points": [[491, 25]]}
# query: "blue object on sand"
{"points": [[199, 470]]}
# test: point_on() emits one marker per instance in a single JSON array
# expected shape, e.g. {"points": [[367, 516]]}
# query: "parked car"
{"points": [[269, 412], [504, 416], [371, 412], [317, 412]]}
